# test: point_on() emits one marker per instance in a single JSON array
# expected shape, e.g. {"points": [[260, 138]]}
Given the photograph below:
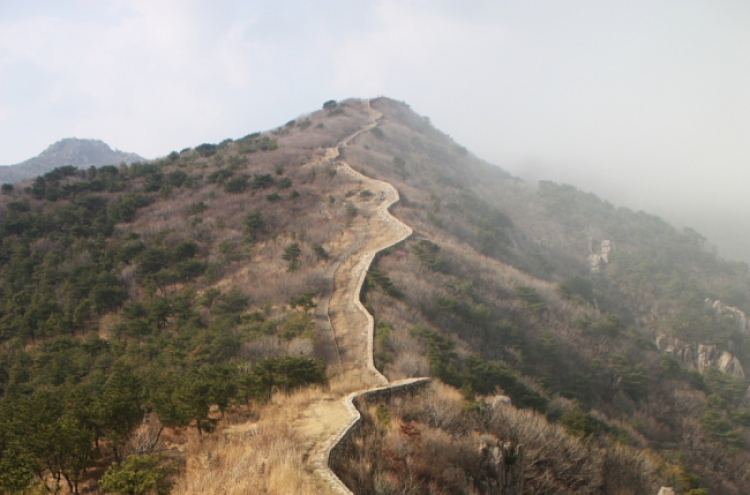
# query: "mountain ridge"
{"points": [[210, 276]]}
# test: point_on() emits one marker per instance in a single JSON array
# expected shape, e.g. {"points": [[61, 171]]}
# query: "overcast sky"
{"points": [[645, 103]]}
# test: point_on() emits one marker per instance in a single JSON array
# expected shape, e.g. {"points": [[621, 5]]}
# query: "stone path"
{"points": [[327, 421]]}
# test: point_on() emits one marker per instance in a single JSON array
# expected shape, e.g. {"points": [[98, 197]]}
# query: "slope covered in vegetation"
{"points": [[497, 293], [192, 292]]}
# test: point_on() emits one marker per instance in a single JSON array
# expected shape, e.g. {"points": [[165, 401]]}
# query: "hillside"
{"points": [[575, 347], [81, 153]]}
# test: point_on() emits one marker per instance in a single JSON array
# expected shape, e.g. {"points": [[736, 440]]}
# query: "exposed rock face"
{"points": [[498, 400], [701, 357], [502, 467], [80, 153], [723, 311], [599, 253], [667, 490]]}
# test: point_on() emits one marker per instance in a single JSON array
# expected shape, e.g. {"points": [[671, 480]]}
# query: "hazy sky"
{"points": [[645, 103]]}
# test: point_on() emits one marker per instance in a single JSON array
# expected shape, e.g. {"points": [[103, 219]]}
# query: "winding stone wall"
{"points": [[336, 445]]}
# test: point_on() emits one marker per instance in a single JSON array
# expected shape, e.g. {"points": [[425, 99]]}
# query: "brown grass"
{"points": [[266, 456]]}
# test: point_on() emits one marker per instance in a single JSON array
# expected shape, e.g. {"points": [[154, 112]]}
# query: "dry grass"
{"points": [[266, 456], [440, 451]]}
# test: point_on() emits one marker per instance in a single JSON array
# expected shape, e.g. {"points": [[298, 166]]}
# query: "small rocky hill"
{"points": [[80, 153]]}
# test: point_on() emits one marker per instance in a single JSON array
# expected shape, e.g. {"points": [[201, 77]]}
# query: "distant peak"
{"points": [[81, 153]]}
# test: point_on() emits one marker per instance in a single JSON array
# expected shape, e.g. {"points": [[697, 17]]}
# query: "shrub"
{"points": [[284, 373], [219, 176], [262, 181], [196, 208], [137, 475], [237, 184], [577, 288], [291, 254], [320, 252], [427, 252], [205, 150], [534, 302], [254, 224]]}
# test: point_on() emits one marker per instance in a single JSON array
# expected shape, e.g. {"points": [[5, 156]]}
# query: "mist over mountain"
{"points": [[80, 153], [500, 333]]}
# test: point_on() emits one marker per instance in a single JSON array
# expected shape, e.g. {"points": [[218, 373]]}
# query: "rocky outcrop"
{"points": [[502, 467], [599, 253], [701, 356], [724, 311]]}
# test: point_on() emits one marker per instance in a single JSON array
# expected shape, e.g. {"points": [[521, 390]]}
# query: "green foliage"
{"points": [[262, 181], [291, 254], [729, 389], [578, 423], [197, 207], [427, 252], [377, 278], [577, 288], [256, 142], [383, 353], [137, 475], [633, 378], [330, 105], [351, 210], [118, 408], [475, 314], [382, 415], [610, 326], [283, 374], [219, 176], [320, 251], [206, 149], [486, 376], [722, 429], [304, 301], [254, 224], [237, 185], [441, 355], [534, 301]]}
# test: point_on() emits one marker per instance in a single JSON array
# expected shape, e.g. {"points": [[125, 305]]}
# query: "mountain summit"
{"points": [[69, 151]]}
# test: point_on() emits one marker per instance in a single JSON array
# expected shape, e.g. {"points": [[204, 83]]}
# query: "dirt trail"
{"points": [[324, 421]]}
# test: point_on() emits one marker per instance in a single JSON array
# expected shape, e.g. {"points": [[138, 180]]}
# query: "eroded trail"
{"points": [[323, 422]]}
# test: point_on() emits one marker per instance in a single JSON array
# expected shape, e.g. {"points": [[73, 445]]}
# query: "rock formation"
{"points": [[723, 311], [599, 253], [502, 467], [701, 356]]}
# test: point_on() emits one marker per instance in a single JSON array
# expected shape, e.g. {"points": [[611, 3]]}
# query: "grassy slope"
{"points": [[497, 237], [482, 294]]}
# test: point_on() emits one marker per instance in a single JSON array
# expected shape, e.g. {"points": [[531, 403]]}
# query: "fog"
{"points": [[645, 103]]}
